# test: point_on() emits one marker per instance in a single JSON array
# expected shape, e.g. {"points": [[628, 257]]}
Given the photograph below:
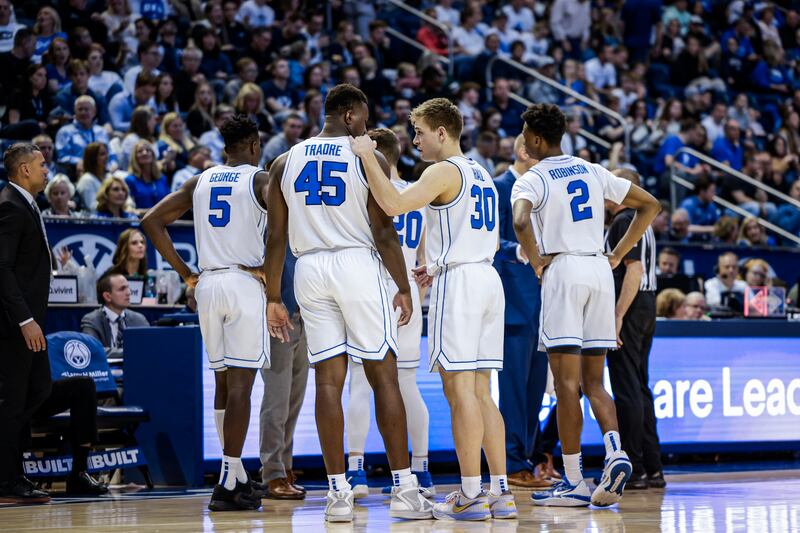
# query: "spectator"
{"points": [[445, 13], [573, 142], [468, 37], [292, 129], [280, 99], [746, 195], [8, 29], [59, 192], [432, 85], [726, 231], [79, 86], [542, 92], [726, 279], [787, 215], [510, 109], [102, 81], [380, 45], [201, 116], [313, 113], [679, 226], [690, 66], [188, 77], [143, 126], [700, 206], [250, 102], [408, 156], [669, 304], [642, 133], [130, 255], [95, 162], [16, 62], [145, 181], [431, 36], [315, 78], [600, 70], [212, 138], [149, 56], [660, 224], [57, 60], [485, 149], [113, 199], [639, 18], [728, 149], [117, 19], [246, 72], [108, 323], [259, 49], [164, 99], [570, 24], [31, 101], [678, 11], [468, 98], [255, 14], [47, 27], [215, 65], [691, 135], [714, 123], [491, 121], [73, 138], [751, 233], [694, 307], [199, 156], [668, 261], [123, 104], [757, 273], [784, 164]]}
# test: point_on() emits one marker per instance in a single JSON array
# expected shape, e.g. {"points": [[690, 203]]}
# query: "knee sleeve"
{"points": [[416, 411]]}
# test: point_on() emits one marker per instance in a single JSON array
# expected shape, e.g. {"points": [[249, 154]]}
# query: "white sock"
{"points": [[338, 482], [402, 478], [219, 419], [471, 486], [355, 462], [419, 464], [499, 484], [612, 441], [572, 468], [231, 472]]}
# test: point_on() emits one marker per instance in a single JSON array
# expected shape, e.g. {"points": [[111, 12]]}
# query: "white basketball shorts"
{"points": [[345, 304], [465, 319], [577, 304], [233, 319]]}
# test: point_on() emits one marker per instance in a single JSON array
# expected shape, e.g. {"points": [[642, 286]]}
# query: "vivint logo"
{"points": [[77, 354]]}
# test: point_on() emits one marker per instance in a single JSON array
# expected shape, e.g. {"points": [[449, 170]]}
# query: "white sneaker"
{"points": [[616, 473], [562, 494], [339, 506], [502, 506], [411, 503]]}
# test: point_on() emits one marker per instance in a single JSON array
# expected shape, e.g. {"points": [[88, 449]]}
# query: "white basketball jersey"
{"points": [[568, 197], [229, 223], [410, 228], [465, 230], [326, 193]]}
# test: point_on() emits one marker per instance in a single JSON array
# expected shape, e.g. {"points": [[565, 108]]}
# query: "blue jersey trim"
{"points": [[252, 190], [361, 173], [546, 191], [460, 193]]}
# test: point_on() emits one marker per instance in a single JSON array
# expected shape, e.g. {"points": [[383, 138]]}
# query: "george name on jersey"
{"points": [[323, 149], [224, 177], [566, 172]]}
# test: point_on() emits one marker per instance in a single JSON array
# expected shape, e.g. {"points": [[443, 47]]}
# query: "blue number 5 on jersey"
{"points": [[311, 181]]}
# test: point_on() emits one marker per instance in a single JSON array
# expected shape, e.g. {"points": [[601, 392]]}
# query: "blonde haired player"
{"points": [[465, 321], [410, 228], [564, 196]]}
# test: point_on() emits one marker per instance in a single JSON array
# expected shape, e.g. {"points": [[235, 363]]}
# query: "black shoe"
{"points": [[82, 484], [656, 481], [259, 489], [637, 482], [241, 498], [21, 490]]}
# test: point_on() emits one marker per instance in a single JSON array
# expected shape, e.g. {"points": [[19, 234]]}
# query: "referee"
{"points": [[635, 286]]}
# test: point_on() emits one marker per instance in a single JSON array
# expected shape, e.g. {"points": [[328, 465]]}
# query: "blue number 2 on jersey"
{"points": [[579, 210], [409, 228], [311, 181], [485, 207], [216, 203]]}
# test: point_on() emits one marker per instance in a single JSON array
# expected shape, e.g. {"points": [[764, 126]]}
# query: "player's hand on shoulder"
{"points": [[421, 276], [278, 321], [362, 146], [403, 301]]}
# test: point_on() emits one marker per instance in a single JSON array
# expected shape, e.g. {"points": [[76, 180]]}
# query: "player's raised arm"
{"points": [[165, 212], [647, 207], [392, 201]]}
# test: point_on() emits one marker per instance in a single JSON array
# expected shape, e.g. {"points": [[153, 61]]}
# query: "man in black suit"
{"points": [[25, 269]]}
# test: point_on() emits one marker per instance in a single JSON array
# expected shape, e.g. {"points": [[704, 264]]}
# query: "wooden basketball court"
{"points": [[760, 501]]}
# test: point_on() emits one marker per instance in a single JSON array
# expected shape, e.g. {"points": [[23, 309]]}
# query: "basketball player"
{"points": [[319, 196], [229, 203], [410, 228], [465, 321], [565, 197]]}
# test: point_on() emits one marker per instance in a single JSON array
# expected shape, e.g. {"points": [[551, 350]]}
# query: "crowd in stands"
{"points": [[125, 97]]}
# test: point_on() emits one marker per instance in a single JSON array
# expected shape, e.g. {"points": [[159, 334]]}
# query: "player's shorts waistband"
{"points": [[222, 270], [578, 254], [452, 266]]}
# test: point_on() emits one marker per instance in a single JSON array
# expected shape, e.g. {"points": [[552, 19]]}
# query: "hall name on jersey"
{"points": [[323, 149], [224, 177], [566, 172]]}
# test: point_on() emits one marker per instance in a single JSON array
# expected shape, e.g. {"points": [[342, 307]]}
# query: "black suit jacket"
{"points": [[24, 264]]}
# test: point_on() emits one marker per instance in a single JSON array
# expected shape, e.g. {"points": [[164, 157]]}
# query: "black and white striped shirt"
{"points": [[644, 251]]}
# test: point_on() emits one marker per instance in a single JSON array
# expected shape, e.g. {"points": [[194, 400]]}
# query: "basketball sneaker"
{"points": [[562, 494], [616, 473], [458, 507], [241, 498], [502, 506], [358, 481], [411, 503], [339, 506], [425, 482]]}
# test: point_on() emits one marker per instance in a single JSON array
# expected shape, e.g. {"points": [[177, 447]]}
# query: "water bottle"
{"points": [[161, 289]]}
